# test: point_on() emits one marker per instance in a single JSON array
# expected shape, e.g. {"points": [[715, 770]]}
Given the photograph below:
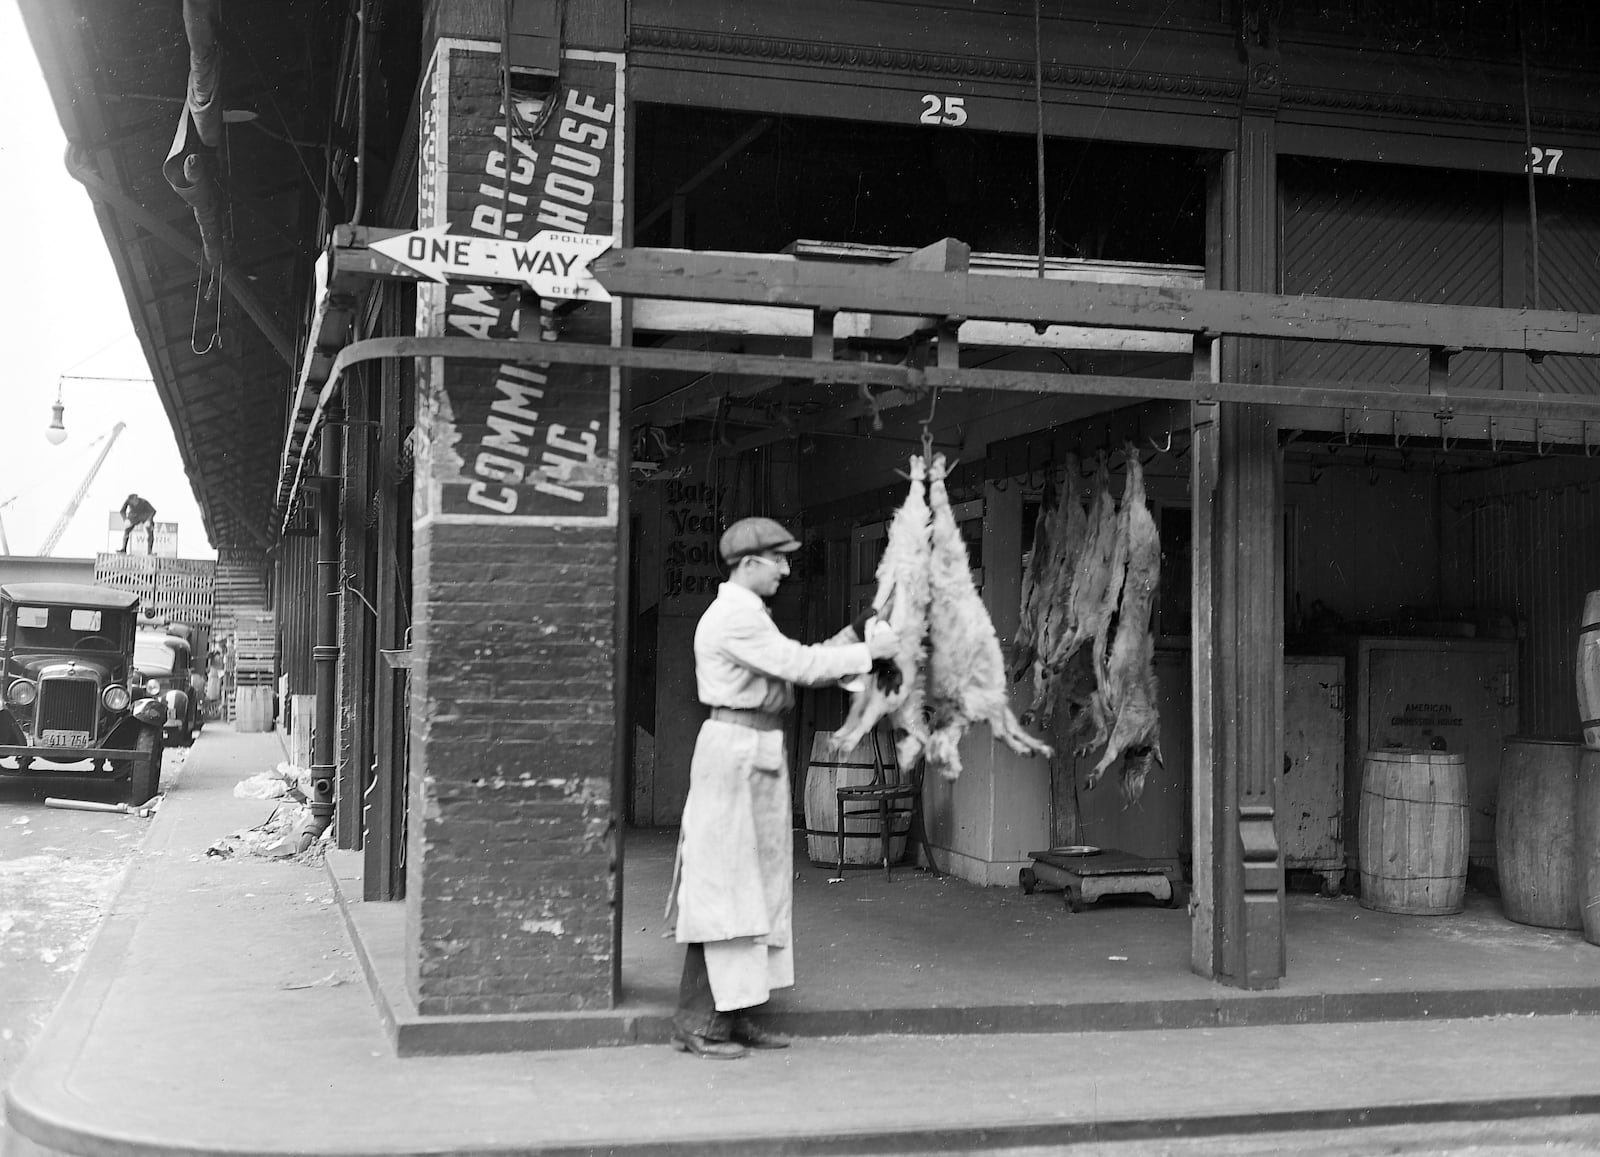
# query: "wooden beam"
{"points": [[737, 278]]}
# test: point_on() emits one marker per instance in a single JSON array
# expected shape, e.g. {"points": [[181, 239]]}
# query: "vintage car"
{"points": [[164, 669], [68, 703]]}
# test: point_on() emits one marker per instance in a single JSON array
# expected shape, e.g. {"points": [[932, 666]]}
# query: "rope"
{"points": [[1038, 111]]}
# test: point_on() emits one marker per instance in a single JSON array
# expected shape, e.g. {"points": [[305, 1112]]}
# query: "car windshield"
{"points": [[152, 655], [69, 628]]}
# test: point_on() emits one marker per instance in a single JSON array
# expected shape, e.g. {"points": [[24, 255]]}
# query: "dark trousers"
{"points": [[149, 536], [697, 1008]]}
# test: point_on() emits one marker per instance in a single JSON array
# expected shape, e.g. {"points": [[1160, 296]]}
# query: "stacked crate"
{"points": [[170, 590], [246, 628]]}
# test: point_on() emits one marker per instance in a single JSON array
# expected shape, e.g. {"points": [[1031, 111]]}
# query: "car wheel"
{"points": [[144, 775]]}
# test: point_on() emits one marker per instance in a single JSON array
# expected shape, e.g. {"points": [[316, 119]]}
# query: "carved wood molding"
{"points": [[1435, 108], [1101, 81]]}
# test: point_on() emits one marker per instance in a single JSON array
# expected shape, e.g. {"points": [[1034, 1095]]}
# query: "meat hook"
{"points": [[927, 426], [1167, 449], [1538, 437], [1588, 451]]}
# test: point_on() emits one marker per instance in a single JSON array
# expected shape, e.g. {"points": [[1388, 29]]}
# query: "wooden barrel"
{"points": [[825, 774], [1413, 831], [252, 709], [1589, 670], [1534, 834], [1586, 844]]}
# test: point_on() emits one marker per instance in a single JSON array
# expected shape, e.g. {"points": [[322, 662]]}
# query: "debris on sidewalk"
{"points": [[282, 782], [144, 810], [273, 839], [332, 980]]}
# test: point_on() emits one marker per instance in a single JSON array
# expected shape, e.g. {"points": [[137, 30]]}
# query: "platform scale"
{"points": [[1084, 874]]}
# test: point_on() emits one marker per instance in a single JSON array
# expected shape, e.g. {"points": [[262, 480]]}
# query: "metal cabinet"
{"points": [[1310, 799]]}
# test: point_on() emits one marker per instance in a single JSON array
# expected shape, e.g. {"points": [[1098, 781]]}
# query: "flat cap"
{"points": [[752, 536]]}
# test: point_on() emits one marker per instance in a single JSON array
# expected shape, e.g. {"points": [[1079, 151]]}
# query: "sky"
{"points": [[62, 315]]}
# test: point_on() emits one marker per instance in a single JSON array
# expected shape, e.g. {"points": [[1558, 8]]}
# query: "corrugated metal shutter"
{"points": [[1389, 233], [1536, 554]]}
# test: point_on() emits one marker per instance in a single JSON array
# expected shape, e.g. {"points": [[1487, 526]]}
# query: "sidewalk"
{"points": [[222, 1009]]}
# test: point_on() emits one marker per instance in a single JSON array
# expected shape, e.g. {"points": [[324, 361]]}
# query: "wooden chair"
{"points": [[890, 798]]}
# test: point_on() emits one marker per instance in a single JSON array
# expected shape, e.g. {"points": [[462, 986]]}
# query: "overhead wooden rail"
{"points": [[830, 288]]}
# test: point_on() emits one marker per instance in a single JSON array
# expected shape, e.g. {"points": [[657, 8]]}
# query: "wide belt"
{"points": [[748, 717]]}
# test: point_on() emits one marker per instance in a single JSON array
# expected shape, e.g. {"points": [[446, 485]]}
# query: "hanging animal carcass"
{"points": [[1124, 661], [966, 670], [895, 686], [1058, 539]]}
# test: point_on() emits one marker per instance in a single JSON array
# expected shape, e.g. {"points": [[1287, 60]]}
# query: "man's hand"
{"points": [[882, 642]]}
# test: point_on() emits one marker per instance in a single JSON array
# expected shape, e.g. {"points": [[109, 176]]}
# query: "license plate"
{"points": [[53, 737]]}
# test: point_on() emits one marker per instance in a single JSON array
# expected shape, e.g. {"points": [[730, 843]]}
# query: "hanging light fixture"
{"points": [[56, 433]]}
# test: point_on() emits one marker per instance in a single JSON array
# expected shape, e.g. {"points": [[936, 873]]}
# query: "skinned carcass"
{"points": [[966, 670], [1126, 675], [1082, 614], [895, 687], [1064, 532]]}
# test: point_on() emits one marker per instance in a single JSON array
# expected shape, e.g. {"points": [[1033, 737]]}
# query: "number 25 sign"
{"points": [[943, 110]]}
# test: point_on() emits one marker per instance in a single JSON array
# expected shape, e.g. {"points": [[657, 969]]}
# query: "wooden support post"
{"points": [[1239, 621], [1439, 369], [949, 345], [822, 335]]}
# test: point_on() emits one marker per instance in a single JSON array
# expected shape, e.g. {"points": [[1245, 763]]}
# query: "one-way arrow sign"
{"points": [[551, 264]]}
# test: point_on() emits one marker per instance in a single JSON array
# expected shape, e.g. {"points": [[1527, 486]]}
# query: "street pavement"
{"points": [[221, 1009], [59, 870]]}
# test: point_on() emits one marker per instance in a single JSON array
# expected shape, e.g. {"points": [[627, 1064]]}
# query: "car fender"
{"points": [[151, 711], [177, 705]]}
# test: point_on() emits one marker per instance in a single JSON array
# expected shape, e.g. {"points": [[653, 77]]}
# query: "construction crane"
{"points": [[60, 527]]}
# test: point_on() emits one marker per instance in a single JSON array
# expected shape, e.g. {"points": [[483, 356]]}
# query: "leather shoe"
{"points": [[704, 1046], [748, 1032]]}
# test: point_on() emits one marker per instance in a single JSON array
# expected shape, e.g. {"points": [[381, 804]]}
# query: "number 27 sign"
{"points": [[1543, 161]]}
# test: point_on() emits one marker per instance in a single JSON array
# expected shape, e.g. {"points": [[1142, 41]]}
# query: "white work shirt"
{"points": [[741, 659]]}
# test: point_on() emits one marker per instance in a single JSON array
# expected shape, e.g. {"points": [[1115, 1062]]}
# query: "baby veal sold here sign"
{"points": [[552, 264]]}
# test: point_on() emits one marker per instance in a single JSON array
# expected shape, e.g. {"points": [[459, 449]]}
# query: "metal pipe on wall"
{"points": [[325, 654]]}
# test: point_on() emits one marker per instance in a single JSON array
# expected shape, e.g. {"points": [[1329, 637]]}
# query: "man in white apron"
{"points": [[733, 883]]}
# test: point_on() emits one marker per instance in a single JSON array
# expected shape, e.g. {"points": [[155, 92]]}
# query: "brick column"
{"points": [[512, 871]]}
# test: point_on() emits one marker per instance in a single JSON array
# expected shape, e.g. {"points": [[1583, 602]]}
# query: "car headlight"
{"points": [[116, 698], [152, 687], [22, 692]]}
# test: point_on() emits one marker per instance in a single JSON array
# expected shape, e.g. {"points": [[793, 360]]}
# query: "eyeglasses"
{"points": [[780, 561]]}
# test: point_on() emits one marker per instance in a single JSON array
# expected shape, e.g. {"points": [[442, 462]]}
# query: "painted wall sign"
{"points": [[691, 569], [528, 443]]}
